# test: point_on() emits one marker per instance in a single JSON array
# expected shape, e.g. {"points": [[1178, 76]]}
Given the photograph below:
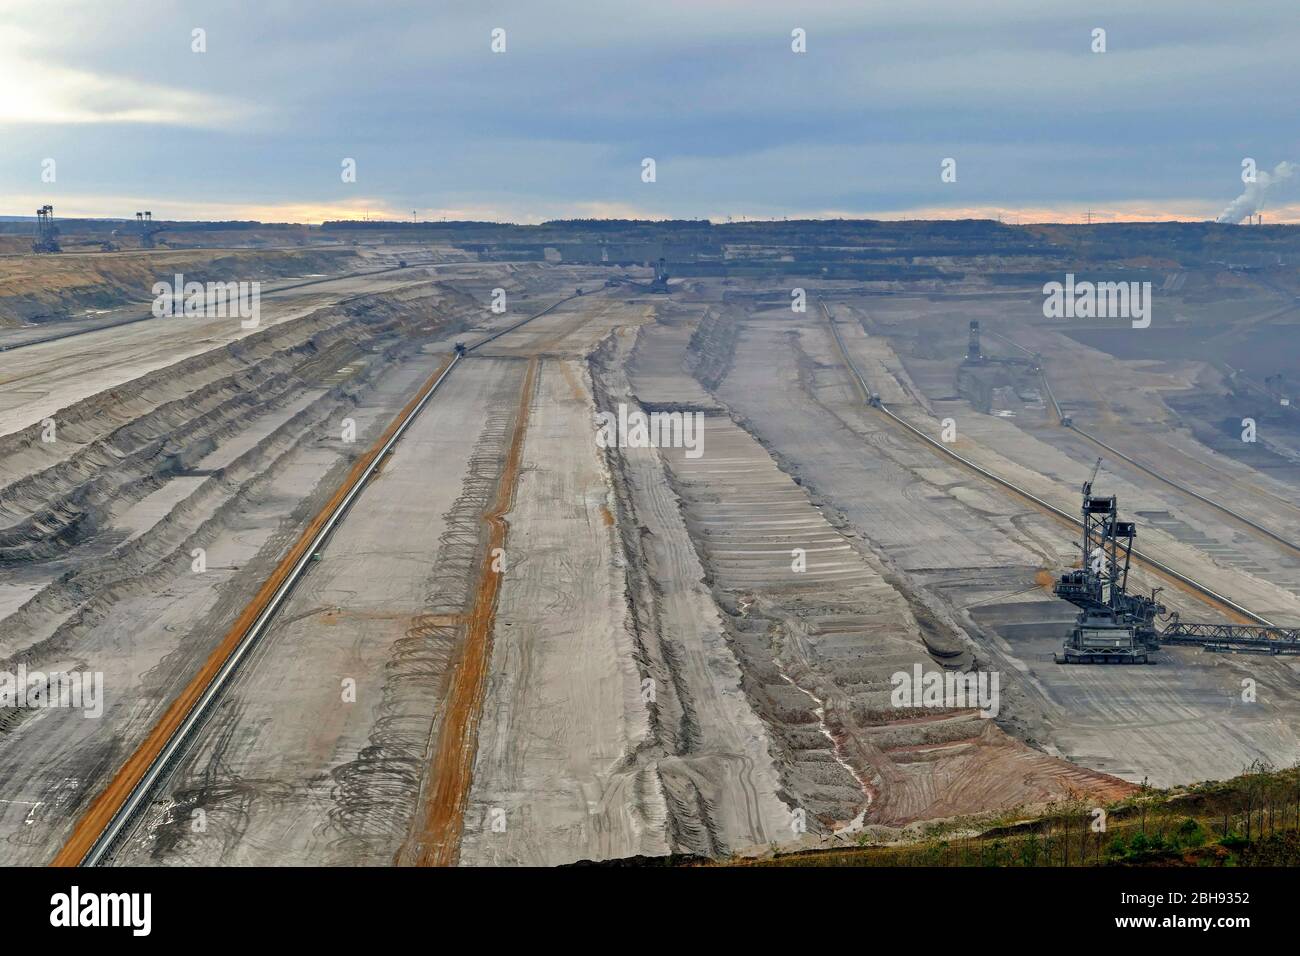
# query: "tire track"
{"points": [[437, 842]]}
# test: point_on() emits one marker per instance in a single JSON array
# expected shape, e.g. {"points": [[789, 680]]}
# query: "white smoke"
{"points": [[1252, 200]]}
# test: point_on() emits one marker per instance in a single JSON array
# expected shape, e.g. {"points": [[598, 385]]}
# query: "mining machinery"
{"points": [[660, 283], [657, 285], [1113, 626], [148, 230], [974, 355], [1116, 627], [47, 234]]}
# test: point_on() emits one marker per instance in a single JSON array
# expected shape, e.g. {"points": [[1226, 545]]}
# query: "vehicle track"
{"points": [[438, 840], [1237, 611], [110, 813], [1252, 526]]}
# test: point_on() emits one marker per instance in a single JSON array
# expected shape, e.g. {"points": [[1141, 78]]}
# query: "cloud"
{"points": [[710, 88], [36, 89]]}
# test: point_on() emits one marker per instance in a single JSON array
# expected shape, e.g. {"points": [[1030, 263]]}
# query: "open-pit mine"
{"points": [[489, 545]]}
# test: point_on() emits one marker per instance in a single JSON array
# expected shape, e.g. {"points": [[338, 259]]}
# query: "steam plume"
{"points": [[1252, 200]]}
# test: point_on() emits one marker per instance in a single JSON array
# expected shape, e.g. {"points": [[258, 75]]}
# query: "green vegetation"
{"points": [[1251, 820]]}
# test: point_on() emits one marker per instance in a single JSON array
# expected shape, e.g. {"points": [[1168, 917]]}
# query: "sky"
{"points": [[259, 124]]}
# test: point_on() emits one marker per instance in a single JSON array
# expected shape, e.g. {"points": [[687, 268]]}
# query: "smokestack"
{"points": [[1247, 206]]}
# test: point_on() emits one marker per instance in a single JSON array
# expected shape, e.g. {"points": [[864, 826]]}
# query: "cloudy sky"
{"points": [[258, 126]]}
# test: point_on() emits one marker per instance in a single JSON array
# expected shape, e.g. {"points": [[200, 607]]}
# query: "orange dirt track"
{"points": [[437, 843], [104, 807]]}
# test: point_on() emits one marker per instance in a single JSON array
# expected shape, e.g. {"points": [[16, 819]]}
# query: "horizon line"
{"points": [[408, 224]]}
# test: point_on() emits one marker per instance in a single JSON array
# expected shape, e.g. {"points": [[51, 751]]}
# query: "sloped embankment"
{"points": [[47, 288], [821, 625], [70, 522]]}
